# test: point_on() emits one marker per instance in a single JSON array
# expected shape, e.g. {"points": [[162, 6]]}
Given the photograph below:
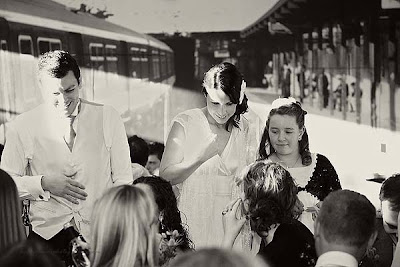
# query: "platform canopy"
{"points": [[301, 15]]}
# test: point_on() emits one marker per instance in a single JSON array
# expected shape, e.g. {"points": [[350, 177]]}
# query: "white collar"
{"points": [[336, 258], [76, 110]]}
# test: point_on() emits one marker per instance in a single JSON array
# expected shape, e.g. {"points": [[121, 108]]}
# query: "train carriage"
{"points": [[126, 69]]}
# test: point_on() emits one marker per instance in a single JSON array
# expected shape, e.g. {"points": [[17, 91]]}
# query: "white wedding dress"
{"points": [[205, 193]]}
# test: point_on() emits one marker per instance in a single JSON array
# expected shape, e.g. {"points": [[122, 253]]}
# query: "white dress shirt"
{"points": [[35, 147], [336, 259]]}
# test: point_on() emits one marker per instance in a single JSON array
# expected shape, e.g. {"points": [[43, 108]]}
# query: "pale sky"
{"points": [[155, 16]]}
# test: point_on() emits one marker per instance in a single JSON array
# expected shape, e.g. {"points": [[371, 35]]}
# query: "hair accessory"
{"points": [[242, 91], [277, 103]]}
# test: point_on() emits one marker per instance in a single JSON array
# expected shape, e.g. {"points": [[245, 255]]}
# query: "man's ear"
{"points": [[317, 228], [372, 239], [80, 82]]}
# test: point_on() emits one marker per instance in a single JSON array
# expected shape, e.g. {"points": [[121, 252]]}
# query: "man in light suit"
{"points": [[64, 153]]}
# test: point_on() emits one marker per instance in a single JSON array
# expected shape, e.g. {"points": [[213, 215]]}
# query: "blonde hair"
{"points": [[11, 227], [124, 228]]}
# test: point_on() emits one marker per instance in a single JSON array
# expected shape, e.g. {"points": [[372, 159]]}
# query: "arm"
{"points": [[15, 162], [121, 171], [231, 224], [174, 167]]}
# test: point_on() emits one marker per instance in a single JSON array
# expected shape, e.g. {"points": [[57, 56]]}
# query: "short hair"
{"points": [[226, 76], [124, 228], [167, 204], [271, 194], [30, 253], [390, 191], [156, 148], [347, 217], [11, 227], [139, 150], [57, 64], [216, 257], [291, 109]]}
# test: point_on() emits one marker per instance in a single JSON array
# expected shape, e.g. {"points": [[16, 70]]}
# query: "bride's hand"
{"points": [[208, 149]]}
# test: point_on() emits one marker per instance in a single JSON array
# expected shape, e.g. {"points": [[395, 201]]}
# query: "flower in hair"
{"points": [[285, 101], [242, 91]]}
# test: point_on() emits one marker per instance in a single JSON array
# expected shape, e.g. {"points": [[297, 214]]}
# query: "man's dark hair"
{"points": [[57, 64], [156, 149], [390, 191], [347, 217], [139, 150]]}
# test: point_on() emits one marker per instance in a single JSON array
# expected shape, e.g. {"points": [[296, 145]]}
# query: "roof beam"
{"points": [[284, 10], [291, 5]]}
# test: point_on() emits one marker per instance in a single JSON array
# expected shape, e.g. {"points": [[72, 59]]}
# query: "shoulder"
{"points": [[187, 115], [28, 119], [322, 162], [86, 102]]}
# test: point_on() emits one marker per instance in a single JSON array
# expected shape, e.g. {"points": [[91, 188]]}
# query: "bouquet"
{"points": [[170, 241]]}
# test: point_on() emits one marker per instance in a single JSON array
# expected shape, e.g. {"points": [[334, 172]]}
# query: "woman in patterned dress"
{"points": [[285, 140]]}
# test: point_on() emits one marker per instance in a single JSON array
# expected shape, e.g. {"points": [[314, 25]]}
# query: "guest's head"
{"points": [[285, 132], [169, 215], [11, 226], [390, 203], [270, 195], [224, 86], [139, 150], [29, 253], [346, 222], [214, 257], [156, 151], [60, 81], [124, 228]]}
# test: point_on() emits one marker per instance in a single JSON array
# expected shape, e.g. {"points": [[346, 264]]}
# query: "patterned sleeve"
{"points": [[324, 179]]}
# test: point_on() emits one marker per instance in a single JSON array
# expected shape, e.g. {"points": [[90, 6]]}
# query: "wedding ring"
{"points": [[224, 212]]}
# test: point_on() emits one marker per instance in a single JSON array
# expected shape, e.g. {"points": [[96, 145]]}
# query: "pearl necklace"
{"points": [[287, 165]]}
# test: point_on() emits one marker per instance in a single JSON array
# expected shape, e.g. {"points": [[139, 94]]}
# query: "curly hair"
{"points": [[271, 194], [226, 76], [296, 111], [166, 202]]}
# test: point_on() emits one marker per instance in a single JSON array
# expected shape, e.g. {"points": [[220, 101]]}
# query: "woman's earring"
{"points": [[267, 148]]}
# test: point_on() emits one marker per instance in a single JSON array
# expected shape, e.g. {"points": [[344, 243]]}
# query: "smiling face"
{"points": [[219, 106], [284, 134], [61, 93], [389, 218]]}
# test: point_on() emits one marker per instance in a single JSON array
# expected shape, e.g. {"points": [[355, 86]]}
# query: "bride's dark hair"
{"points": [[271, 194]]}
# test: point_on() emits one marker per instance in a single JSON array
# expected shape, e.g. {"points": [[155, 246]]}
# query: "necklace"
{"points": [[287, 165]]}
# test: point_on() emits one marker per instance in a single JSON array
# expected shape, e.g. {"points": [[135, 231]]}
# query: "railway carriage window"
{"points": [[3, 45], [25, 45], [112, 59], [156, 64], [135, 62], [55, 46], [144, 62], [97, 56], [48, 44], [26, 69], [163, 58]]}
